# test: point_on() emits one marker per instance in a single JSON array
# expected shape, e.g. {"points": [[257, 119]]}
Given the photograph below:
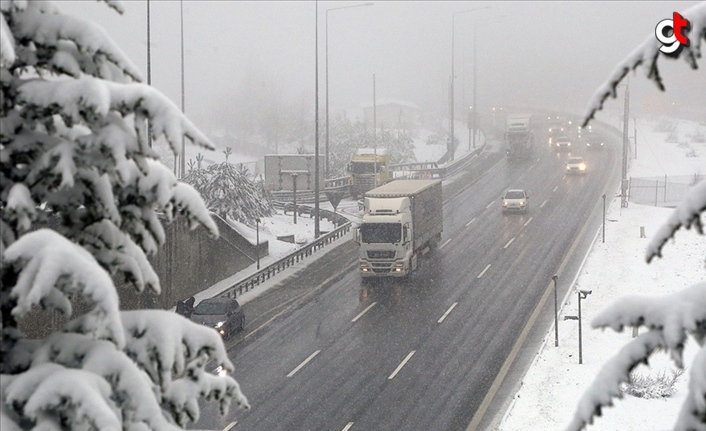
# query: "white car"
{"points": [[515, 200], [576, 165], [562, 143]]}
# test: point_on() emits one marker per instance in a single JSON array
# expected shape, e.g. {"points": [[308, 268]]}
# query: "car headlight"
{"points": [[522, 203], [219, 324], [582, 166], [504, 204]]}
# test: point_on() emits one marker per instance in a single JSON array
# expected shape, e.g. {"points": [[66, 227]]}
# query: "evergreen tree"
{"points": [[229, 192], [74, 148]]}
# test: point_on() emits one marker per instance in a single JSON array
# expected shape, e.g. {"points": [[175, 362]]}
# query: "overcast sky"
{"points": [[549, 54]]}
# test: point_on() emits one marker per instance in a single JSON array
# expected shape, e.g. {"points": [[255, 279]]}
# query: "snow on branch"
{"points": [[85, 98], [133, 389], [7, 44], [647, 55], [42, 23], [687, 214], [669, 319], [606, 385], [51, 269], [51, 395], [695, 402], [163, 342], [675, 315]]}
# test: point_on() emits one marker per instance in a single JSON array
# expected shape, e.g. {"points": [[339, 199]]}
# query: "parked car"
{"points": [[515, 200], [223, 314], [595, 144], [576, 165], [563, 143]]}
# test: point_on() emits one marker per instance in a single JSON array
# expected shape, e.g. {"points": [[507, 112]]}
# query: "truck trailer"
{"points": [[518, 136], [403, 220]]}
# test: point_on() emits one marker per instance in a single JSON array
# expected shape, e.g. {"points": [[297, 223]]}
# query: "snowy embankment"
{"points": [[550, 391]]}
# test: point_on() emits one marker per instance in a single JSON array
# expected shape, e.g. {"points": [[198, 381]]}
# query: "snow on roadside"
{"points": [[550, 390]]}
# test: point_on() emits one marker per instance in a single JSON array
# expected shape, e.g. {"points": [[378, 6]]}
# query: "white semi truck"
{"points": [[519, 136], [403, 220]]}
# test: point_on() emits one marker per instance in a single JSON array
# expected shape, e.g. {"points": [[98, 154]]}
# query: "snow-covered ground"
{"points": [[552, 387]]}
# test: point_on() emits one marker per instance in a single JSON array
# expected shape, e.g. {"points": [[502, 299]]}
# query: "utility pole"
{"points": [[634, 123], [317, 231], [626, 124], [182, 165], [475, 106], [375, 137], [149, 69]]}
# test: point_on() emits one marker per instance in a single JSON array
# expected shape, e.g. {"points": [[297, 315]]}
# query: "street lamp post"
{"points": [[603, 230], [257, 240], [582, 294], [326, 36], [555, 278], [451, 89], [475, 104]]}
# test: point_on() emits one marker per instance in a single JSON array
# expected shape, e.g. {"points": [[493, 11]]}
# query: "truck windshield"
{"points": [[372, 233], [364, 168]]}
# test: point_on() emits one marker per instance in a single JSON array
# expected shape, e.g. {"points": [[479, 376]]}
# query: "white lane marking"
{"points": [[230, 426], [306, 361], [483, 272], [543, 203], [348, 426], [469, 223], [363, 312], [445, 242], [441, 319], [399, 367], [527, 222], [555, 188], [489, 205], [509, 242]]}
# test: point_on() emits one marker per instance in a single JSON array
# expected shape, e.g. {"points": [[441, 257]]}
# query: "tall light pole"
{"points": [[474, 108], [182, 165], [317, 232], [326, 35], [149, 68], [450, 150], [257, 239]]}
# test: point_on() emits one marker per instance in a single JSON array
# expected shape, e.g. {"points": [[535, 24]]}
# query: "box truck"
{"points": [[402, 221]]}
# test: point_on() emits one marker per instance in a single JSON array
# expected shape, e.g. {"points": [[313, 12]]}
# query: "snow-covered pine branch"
{"points": [[687, 214], [43, 24], [670, 320], [646, 55]]}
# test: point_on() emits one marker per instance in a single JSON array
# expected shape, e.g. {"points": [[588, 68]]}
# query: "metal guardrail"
{"points": [[289, 260]]}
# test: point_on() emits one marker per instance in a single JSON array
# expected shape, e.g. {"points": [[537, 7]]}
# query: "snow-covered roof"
{"points": [[388, 101]]}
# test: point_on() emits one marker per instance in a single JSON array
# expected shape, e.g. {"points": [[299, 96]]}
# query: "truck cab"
{"points": [[369, 168]]}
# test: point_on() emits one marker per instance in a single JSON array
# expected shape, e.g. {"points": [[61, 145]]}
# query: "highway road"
{"points": [[442, 349]]}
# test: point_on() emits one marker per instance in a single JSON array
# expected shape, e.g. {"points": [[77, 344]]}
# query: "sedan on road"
{"points": [[563, 143], [225, 315], [515, 200], [576, 165]]}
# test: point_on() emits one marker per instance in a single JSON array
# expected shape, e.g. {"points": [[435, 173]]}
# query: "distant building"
{"points": [[392, 114]]}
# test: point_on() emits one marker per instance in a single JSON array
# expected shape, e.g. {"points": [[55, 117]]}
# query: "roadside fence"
{"points": [[667, 191]]}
